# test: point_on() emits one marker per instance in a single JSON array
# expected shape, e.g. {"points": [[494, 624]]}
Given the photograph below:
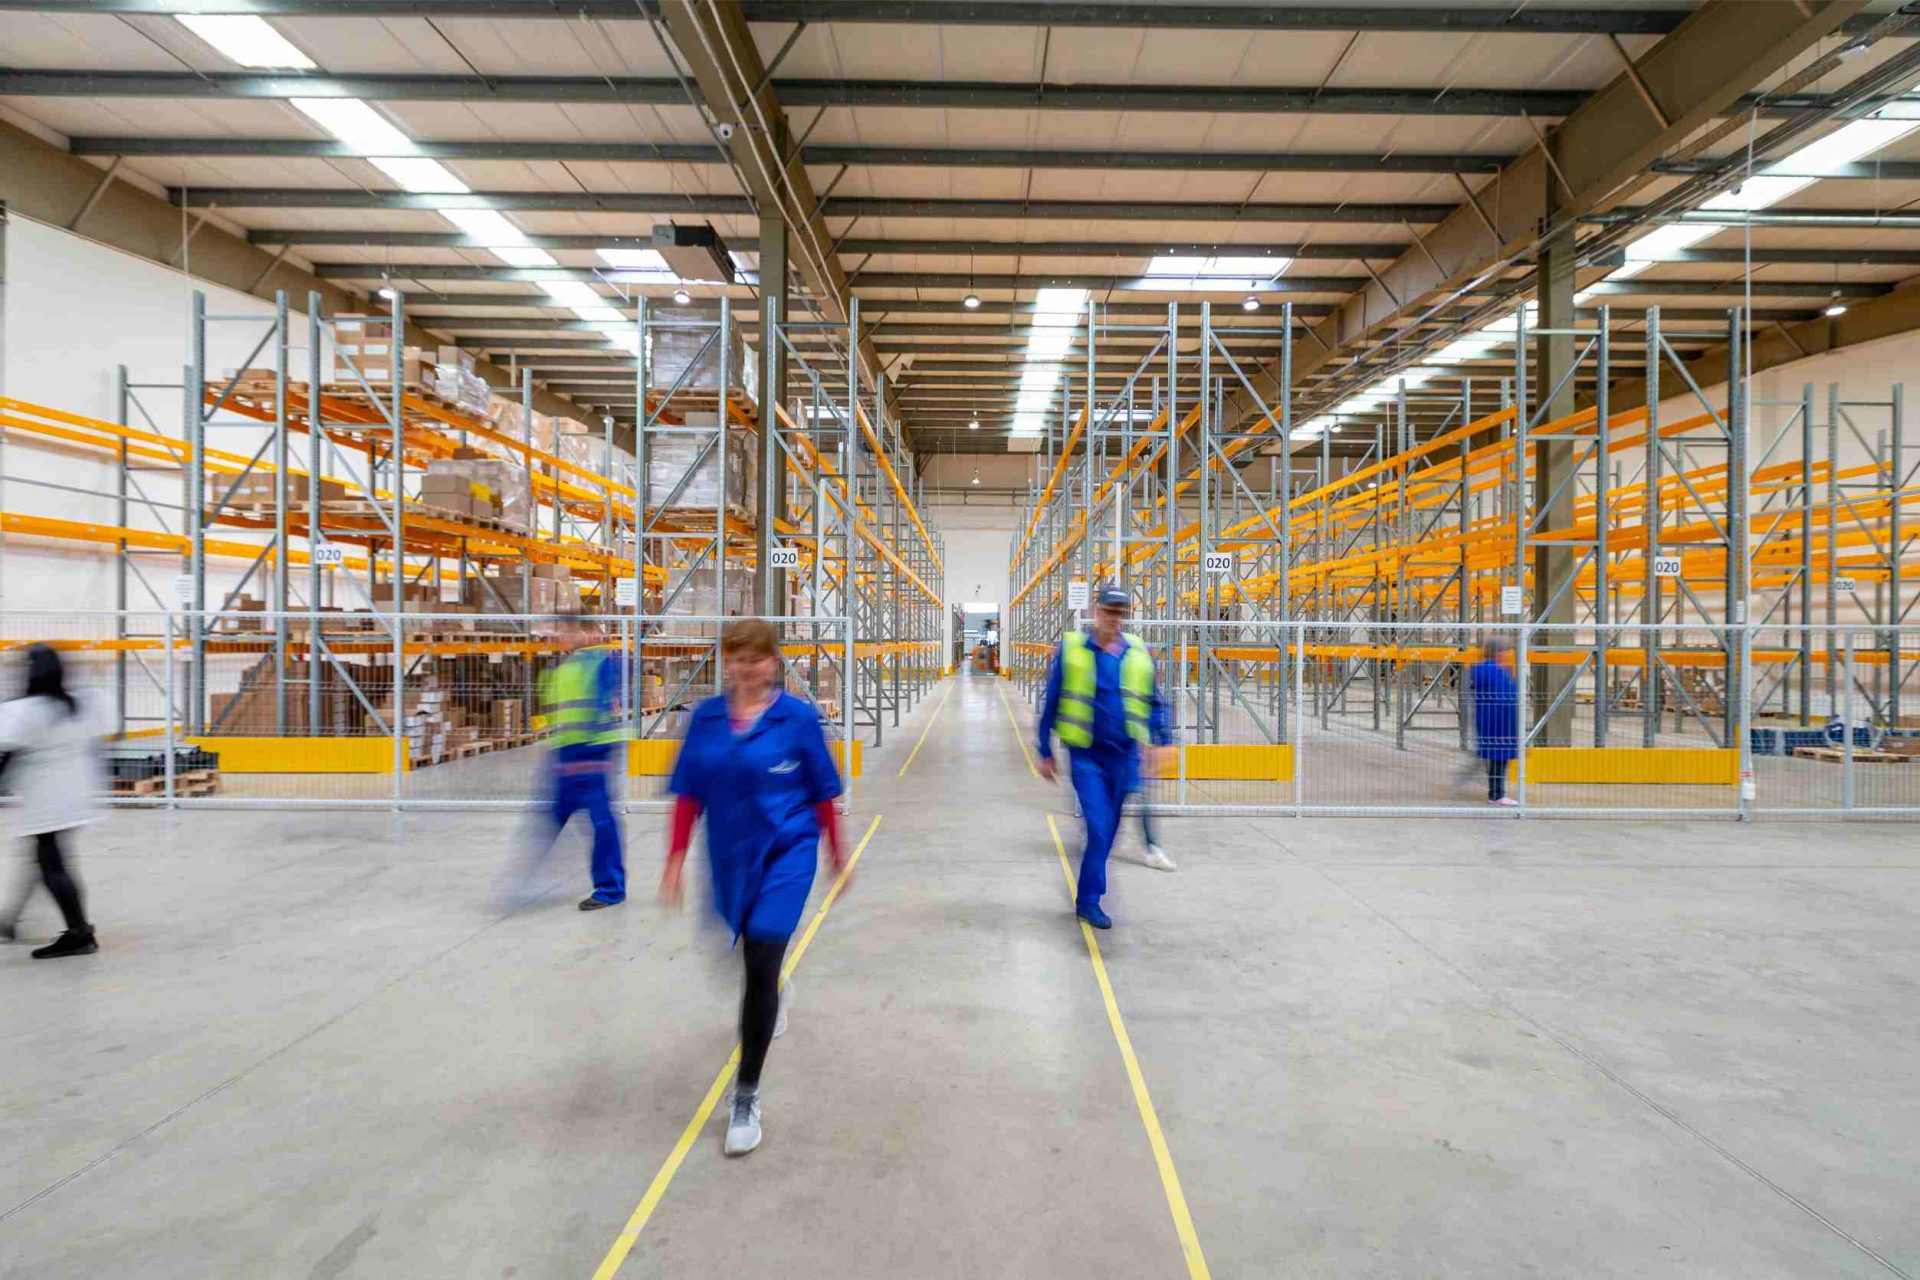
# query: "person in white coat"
{"points": [[51, 741]]}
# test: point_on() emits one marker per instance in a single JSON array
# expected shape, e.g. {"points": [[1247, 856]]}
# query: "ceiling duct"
{"points": [[694, 253]]}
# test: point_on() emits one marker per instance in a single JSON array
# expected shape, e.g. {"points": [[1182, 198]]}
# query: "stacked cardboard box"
{"points": [[257, 489], [455, 382], [251, 709], [670, 457], [367, 343], [690, 357]]}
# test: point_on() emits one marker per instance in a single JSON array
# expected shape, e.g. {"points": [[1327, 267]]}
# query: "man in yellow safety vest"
{"points": [[580, 709], [1103, 703]]}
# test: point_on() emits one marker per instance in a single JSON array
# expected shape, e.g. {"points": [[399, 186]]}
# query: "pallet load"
{"points": [[670, 458], [455, 382], [682, 360], [136, 770], [364, 348]]}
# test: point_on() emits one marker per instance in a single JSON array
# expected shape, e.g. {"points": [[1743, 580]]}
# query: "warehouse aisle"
{"points": [[313, 1047]]}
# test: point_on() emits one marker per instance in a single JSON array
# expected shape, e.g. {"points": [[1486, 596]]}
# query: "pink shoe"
{"points": [[1507, 802]]}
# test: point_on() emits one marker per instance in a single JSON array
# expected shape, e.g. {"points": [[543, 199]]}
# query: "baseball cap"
{"points": [[1113, 598]]}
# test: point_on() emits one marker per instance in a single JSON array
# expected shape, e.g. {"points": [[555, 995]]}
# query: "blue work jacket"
{"points": [[758, 789], [1110, 736], [1496, 712]]}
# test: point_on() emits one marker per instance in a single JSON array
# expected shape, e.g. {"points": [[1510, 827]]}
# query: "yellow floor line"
{"points": [[657, 1189], [1169, 1179], [1019, 735], [924, 732]]}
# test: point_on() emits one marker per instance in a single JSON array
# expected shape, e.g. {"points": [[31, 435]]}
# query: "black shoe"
{"points": [[594, 904], [70, 943], [9, 932]]}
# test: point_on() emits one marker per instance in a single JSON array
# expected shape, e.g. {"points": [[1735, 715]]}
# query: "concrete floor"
{"points": [[315, 1046]]}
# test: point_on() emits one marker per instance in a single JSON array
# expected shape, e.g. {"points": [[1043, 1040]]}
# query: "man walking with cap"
{"points": [[1103, 702]]}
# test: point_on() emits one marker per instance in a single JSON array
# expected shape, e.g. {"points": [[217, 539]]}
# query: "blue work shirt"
{"points": [[759, 789], [1110, 736], [1496, 711], [606, 701]]}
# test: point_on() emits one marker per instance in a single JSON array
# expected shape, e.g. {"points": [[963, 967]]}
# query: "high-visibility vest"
{"points": [[570, 702], [1078, 684]]}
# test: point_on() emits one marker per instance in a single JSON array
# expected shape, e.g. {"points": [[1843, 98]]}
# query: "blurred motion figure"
{"points": [[580, 704], [1103, 701], [755, 761], [50, 740], [1496, 717]]}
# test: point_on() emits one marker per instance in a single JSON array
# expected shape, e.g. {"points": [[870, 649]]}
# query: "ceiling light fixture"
{"points": [[971, 302], [1835, 308], [388, 294], [245, 39], [1251, 304], [682, 297]]}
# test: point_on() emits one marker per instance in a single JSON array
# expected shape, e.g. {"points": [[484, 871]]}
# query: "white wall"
{"points": [[978, 541], [76, 309]]}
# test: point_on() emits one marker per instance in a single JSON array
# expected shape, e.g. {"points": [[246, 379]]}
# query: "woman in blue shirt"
{"points": [[755, 761]]}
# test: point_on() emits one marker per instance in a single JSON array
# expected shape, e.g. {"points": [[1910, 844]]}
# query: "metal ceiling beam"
{"points": [[875, 309], [844, 207], [1830, 219], [664, 91], [1760, 286], [1723, 51], [1001, 13], [818, 155], [870, 279], [1327, 250], [1869, 170]]}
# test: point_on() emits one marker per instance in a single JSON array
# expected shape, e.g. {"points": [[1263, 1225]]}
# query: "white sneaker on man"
{"points": [[1157, 858], [1507, 802], [743, 1123]]}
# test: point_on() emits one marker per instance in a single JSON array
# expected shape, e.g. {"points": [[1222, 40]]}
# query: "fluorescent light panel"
{"points": [[247, 40]]}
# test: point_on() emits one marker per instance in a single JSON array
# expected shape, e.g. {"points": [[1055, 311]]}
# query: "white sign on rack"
{"points": [[1219, 562], [784, 558], [329, 555], [1666, 566], [1511, 603], [183, 590], [1843, 584], [626, 592], [1077, 594]]}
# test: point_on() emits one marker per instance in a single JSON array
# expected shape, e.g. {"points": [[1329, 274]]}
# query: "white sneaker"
{"points": [[1157, 858], [780, 1019], [1506, 802], [743, 1123]]}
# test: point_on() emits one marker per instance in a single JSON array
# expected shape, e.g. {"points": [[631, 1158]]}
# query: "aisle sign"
{"points": [[1843, 584], [1666, 566], [329, 555], [626, 592], [1219, 562], [784, 558], [1077, 594], [1510, 602]]}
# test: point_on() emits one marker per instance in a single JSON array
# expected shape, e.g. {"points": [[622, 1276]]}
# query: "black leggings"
{"points": [[59, 881], [759, 1006], [1496, 779]]}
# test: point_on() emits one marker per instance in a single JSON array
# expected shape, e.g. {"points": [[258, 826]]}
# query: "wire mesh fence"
{"points": [[1622, 720], [360, 709]]}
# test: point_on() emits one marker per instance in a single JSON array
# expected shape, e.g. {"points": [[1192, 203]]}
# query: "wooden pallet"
{"points": [[194, 782], [1861, 755]]}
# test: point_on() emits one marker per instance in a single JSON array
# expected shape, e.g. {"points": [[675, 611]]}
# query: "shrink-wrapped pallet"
{"points": [[670, 457], [683, 359]]}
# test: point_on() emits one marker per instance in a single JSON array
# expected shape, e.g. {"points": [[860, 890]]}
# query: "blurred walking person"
{"points": [[1103, 702], [755, 762], [51, 744], [1496, 716], [580, 704]]}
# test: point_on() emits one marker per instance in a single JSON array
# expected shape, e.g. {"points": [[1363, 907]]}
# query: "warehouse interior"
{"points": [[362, 359]]}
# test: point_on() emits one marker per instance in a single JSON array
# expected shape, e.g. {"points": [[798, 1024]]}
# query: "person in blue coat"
{"points": [[1105, 703], [1496, 716], [755, 761]]}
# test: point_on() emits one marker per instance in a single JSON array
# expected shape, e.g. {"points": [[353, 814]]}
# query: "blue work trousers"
{"points": [[577, 787], [1101, 781]]}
